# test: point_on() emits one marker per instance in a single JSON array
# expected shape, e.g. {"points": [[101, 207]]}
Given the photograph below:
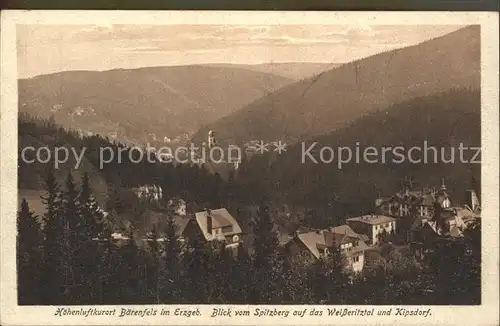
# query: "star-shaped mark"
{"points": [[280, 147], [261, 147]]}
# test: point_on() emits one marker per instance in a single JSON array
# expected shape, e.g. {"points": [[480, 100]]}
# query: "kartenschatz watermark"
{"points": [[422, 154]]}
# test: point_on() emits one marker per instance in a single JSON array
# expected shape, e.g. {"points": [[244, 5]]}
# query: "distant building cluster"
{"points": [[424, 216], [419, 217], [153, 192], [434, 209]]}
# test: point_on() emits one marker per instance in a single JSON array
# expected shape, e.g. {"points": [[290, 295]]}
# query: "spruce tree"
{"points": [[72, 211], [29, 251], [89, 252], [53, 233], [266, 245], [92, 216], [73, 245], [196, 268], [241, 270], [171, 289], [337, 274], [130, 273], [153, 270], [222, 264]]}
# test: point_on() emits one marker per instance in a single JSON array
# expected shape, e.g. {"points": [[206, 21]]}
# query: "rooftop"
{"points": [[372, 219], [314, 240], [220, 219]]}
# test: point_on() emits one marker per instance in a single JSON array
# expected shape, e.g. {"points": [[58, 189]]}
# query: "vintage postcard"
{"points": [[243, 168]]}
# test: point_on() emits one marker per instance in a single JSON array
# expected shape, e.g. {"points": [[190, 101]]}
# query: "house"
{"points": [[412, 203], [150, 192], [448, 220], [430, 233], [374, 227], [315, 244], [471, 210], [215, 225], [448, 223], [407, 203]]}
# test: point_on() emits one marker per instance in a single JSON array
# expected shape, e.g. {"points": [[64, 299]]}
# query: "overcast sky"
{"points": [[47, 48]]}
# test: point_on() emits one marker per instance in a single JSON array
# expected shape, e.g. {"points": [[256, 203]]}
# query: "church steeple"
{"points": [[211, 139], [443, 186], [442, 196]]}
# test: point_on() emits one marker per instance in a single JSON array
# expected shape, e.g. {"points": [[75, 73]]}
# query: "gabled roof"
{"points": [[319, 239], [372, 219], [453, 232], [220, 219], [344, 229], [466, 213], [311, 240], [337, 238]]}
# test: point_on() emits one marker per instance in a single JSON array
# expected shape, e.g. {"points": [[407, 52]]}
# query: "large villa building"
{"points": [[316, 244], [374, 227]]}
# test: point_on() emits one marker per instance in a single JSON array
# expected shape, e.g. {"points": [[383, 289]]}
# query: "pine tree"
{"points": [[266, 244], [222, 263], [92, 217], [241, 269], [72, 211], [53, 233], [171, 273], [130, 273], [337, 274], [153, 270], [195, 261], [266, 240], [318, 280], [29, 251], [73, 245], [89, 263]]}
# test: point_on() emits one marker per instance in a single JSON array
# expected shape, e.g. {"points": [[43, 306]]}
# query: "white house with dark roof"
{"points": [[216, 225], [315, 244], [373, 226]]}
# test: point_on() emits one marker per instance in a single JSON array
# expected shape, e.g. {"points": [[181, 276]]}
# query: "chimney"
{"points": [[209, 222]]}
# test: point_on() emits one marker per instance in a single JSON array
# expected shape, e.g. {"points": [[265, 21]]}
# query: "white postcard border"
{"points": [[486, 314]]}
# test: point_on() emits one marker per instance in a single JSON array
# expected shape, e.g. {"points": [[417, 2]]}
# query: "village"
{"points": [[410, 219]]}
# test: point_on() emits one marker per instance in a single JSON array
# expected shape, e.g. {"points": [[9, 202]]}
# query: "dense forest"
{"points": [[444, 120], [72, 260]]}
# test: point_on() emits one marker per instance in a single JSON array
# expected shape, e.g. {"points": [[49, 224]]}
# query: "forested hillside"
{"points": [[443, 120], [146, 104], [337, 97]]}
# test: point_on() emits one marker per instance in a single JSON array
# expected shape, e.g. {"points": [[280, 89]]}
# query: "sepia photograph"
{"points": [[250, 163]]}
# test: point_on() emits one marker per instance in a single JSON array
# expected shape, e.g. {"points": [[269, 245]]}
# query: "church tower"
{"points": [[211, 139], [442, 196]]}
